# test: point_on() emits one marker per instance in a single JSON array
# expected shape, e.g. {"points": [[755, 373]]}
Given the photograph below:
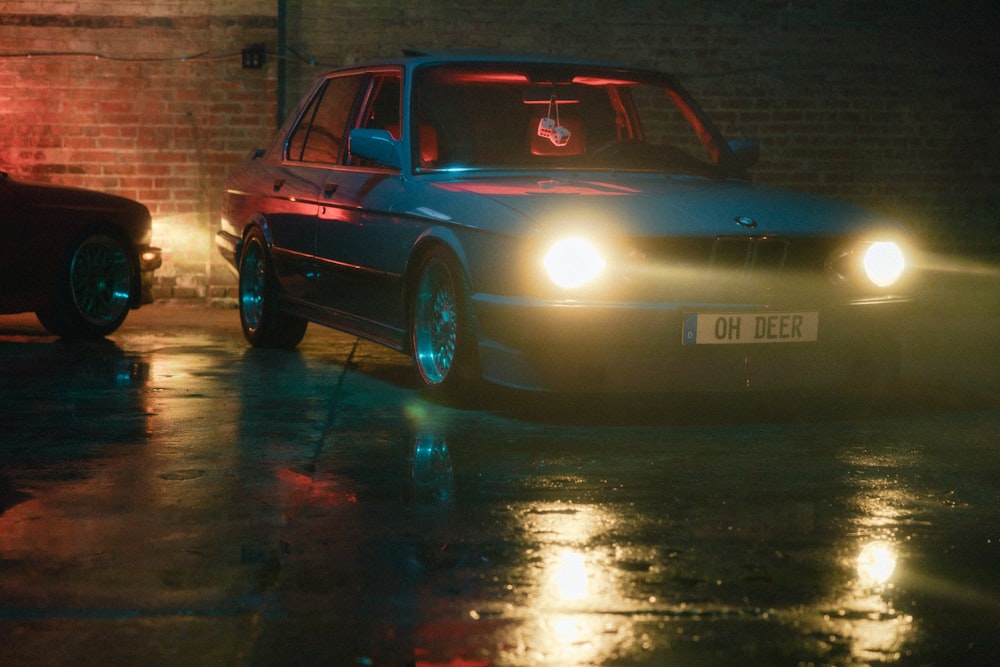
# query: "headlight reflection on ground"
{"points": [[569, 576], [876, 563], [574, 589], [866, 616]]}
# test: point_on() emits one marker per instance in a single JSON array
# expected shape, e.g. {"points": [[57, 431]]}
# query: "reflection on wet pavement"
{"points": [[172, 497]]}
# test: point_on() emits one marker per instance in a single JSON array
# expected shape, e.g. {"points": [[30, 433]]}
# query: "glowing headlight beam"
{"points": [[884, 263], [573, 262]]}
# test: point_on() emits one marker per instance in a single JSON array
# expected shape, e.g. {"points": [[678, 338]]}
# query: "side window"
{"points": [[319, 136], [382, 108]]}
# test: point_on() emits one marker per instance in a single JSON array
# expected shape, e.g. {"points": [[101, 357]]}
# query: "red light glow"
{"points": [[540, 188]]}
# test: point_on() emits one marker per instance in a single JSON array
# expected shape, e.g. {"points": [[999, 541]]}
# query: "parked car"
{"points": [[552, 224], [79, 259]]}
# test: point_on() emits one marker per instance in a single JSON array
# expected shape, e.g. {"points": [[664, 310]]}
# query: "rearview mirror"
{"points": [[563, 93], [377, 146]]}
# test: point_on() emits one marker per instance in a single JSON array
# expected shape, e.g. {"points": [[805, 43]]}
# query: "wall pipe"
{"points": [[282, 57]]}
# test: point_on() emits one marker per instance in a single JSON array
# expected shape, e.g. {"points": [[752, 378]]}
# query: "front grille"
{"points": [[749, 254], [727, 253], [731, 268]]}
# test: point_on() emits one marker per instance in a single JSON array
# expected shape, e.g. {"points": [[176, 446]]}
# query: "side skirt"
{"points": [[376, 332]]}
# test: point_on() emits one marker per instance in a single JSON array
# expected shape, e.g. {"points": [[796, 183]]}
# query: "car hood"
{"points": [[48, 195], [649, 206]]}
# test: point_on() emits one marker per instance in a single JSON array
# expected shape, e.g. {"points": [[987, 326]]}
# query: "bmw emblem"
{"points": [[746, 221]]}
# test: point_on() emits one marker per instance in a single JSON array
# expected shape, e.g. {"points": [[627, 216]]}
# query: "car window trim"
{"points": [[317, 96]]}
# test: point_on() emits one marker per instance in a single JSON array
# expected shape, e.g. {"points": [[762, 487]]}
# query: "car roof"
{"points": [[411, 58], [460, 56]]}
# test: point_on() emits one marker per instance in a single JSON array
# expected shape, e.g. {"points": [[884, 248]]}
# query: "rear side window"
{"points": [[320, 135]]}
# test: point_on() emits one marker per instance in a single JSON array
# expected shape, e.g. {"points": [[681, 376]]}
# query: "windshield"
{"points": [[540, 117]]}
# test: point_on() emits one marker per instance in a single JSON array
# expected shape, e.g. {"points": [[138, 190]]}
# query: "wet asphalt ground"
{"points": [[171, 497]]}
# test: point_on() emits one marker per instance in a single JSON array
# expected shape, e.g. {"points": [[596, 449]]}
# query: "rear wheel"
{"points": [[93, 290], [264, 324], [441, 336]]}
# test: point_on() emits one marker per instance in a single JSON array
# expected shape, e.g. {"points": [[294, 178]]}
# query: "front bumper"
{"points": [[566, 347]]}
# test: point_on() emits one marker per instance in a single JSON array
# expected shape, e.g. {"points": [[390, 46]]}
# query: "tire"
{"points": [[263, 322], [442, 340], [94, 288]]}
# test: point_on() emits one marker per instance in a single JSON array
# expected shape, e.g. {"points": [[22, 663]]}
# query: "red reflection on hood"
{"points": [[537, 188]]}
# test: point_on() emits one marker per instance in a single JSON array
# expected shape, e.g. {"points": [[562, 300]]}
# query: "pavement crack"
{"points": [[333, 410]]}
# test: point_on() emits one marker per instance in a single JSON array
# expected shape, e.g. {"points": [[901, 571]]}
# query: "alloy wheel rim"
{"points": [[252, 279], [100, 280], [436, 324]]}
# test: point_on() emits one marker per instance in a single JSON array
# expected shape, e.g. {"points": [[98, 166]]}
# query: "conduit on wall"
{"points": [[282, 53]]}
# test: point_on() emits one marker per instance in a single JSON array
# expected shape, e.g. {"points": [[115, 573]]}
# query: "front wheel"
{"points": [[263, 322], [93, 290], [441, 335]]}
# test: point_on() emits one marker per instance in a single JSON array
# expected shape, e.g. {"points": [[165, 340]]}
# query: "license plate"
{"points": [[748, 328]]}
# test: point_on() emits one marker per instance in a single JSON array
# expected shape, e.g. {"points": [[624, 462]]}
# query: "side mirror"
{"points": [[746, 151], [377, 146]]}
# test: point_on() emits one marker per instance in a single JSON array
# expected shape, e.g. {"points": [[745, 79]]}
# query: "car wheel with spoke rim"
{"points": [[94, 290], [441, 337], [263, 322]]}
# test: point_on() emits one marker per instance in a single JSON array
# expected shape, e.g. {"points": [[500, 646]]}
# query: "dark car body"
{"points": [[552, 224], [78, 258]]}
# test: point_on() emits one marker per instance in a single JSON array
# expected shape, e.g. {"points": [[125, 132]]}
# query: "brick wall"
{"points": [[147, 100], [891, 104]]}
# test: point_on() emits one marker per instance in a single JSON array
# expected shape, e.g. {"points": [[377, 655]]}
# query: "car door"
{"points": [[312, 149], [361, 247]]}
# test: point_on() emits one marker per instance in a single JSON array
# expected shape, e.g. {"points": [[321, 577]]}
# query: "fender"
{"points": [[443, 236]]}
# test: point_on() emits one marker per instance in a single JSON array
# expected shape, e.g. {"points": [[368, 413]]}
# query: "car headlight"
{"points": [[884, 263], [573, 262]]}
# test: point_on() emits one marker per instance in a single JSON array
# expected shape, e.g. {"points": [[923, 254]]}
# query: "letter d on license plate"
{"points": [[747, 328]]}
